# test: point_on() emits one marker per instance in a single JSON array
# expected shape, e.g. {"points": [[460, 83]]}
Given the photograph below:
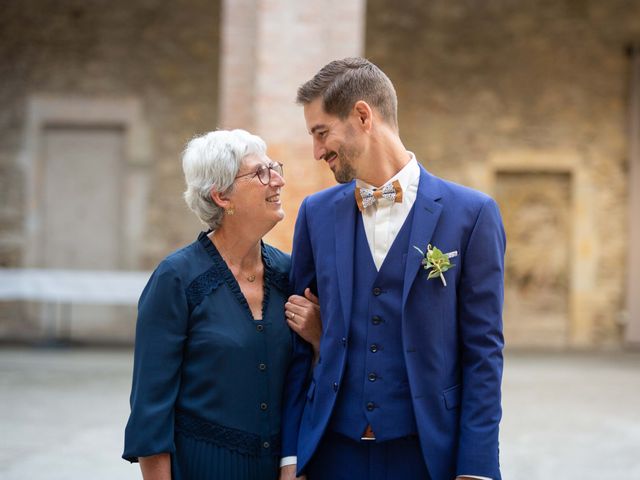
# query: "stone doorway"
{"points": [[87, 182], [81, 197], [536, 209]]}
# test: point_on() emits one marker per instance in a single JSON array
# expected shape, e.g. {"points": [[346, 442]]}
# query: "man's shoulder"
{"points": [[467, 193], [329, 195], [459, 193]]}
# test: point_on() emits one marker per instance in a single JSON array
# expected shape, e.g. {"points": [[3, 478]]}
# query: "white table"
{"points": [[57, 290]]}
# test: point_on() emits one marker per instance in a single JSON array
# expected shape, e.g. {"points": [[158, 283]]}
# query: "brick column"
{"points": [[269, 48], [633, 264]]}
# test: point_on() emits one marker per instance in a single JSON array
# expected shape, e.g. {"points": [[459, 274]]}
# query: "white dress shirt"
{"points": [[382, 221]]}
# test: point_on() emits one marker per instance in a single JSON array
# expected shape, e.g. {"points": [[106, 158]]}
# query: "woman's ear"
{"points": [[220, 200]]}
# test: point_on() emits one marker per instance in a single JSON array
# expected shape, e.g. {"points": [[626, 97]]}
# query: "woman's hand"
{"points": [[303, 316], [156, 467], [289, 473]]}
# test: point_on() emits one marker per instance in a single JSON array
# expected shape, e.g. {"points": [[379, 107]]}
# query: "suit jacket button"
{"points": [[335, 386], [377, 291], [376, 320], [372, 377], [373, 348], [344, 341], [263, 406], [370, 406]]}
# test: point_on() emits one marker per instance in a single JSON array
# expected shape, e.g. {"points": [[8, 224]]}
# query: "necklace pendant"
{"points": [[251, 278]]}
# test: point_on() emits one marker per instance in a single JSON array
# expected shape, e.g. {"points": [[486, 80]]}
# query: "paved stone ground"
{"points": [[566, 416]]}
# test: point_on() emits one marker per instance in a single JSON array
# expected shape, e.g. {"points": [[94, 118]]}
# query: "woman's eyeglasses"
{"points": [[264, 172]]}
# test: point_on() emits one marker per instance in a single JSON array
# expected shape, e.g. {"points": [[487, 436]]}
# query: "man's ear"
{"points": [[364, 114]]}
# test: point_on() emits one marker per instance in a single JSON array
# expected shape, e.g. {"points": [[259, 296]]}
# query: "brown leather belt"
{"points": [[368, 434]]}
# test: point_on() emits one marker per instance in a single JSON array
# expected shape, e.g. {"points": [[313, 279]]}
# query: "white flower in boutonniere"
{"points": [[437, 262]]}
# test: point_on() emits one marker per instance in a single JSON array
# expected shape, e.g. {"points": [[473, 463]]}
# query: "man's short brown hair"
{"points": [[342, 83]]}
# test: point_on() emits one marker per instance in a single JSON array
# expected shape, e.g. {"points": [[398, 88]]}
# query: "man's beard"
{"points": [[344, 171]]}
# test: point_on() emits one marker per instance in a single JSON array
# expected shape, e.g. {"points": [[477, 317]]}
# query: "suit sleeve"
{"points": [[481, 292], [161, 332], [302, 275]]}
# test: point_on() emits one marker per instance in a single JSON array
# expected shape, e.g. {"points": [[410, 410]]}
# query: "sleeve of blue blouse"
{"points": [[161, 332]]}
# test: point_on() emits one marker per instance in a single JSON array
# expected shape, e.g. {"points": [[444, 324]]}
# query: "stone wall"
{"points": [[162, 56], [261, 73], [526, 82], [525, 99], [165, 54]]}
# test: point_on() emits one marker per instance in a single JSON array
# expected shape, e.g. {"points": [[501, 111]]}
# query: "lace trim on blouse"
{"points": [[201, 286], [226, 437]]}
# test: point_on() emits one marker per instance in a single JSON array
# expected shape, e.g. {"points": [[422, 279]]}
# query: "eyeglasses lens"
{"points": [[264, 173]]}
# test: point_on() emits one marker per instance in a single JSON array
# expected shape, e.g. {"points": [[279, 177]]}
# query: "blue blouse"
{"points": [[203, 366]]}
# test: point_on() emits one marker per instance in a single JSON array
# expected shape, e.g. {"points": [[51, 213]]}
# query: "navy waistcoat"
{"points": [[375, 388]]}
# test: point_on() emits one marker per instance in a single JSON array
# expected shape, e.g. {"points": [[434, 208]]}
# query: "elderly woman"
{"points": [[212, 343]]}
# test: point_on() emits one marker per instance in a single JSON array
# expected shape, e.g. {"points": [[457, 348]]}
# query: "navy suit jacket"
{"points": [[452, 336]]}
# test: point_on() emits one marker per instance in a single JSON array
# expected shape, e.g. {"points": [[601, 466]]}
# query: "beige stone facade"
{"points": [[130, 81], [163, 55], [291, 41], [528, 101]]}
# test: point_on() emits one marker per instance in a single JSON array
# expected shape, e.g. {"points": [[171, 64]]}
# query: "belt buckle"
{"points": [[368, 435]]}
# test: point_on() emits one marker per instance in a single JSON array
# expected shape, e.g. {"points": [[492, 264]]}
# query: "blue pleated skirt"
{"points": [[197, 459]]}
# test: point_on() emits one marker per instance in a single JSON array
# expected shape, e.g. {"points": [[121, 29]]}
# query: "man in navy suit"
{"points": [[409, 270]]}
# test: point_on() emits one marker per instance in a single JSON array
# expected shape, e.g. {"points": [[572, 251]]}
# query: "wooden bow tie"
{"points": [[365, 197]]}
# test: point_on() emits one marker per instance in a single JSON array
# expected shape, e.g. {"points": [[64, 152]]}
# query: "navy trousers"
{"points": [[339, 457]]}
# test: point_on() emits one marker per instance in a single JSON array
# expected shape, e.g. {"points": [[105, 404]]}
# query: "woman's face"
{"points": [[254, 202]]}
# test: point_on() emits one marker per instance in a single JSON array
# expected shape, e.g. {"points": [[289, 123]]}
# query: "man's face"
{"points": [[334, 141]]}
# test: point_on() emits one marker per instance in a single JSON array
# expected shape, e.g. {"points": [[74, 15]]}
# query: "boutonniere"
{"points": [[436, 261]]}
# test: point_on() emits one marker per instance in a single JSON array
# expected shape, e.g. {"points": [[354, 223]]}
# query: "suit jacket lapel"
{"points": [[345, 218], [425, 218]]}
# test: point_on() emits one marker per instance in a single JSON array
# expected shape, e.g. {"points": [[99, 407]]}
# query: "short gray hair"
{"points": [[210, 163]]}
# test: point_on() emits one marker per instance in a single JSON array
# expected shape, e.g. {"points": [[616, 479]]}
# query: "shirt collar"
{"points": [[408, 176]]}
